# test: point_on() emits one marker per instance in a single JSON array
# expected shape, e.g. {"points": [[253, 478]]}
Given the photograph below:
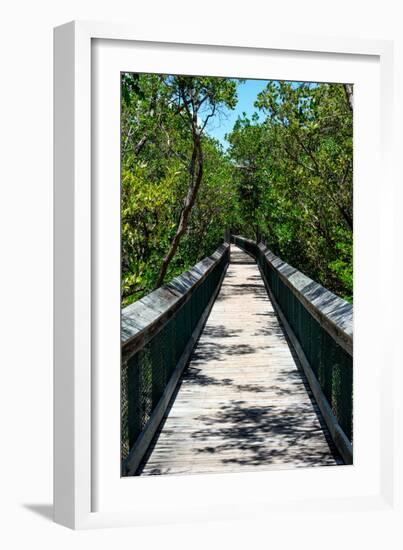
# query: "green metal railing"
{"points": [[322, 323], [156, 331], [246, 244]]}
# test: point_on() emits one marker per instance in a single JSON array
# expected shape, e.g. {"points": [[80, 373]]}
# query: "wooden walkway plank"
{"points": [[242, 402]]}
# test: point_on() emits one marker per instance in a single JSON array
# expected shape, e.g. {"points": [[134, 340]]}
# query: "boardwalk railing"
{"points": [[320, 327], [158, 335]]}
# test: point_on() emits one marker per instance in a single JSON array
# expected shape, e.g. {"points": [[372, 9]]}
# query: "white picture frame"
{"points": [[368, 485]]}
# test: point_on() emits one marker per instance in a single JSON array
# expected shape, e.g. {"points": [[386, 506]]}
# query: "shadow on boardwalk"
{"points": [[242, 402]]}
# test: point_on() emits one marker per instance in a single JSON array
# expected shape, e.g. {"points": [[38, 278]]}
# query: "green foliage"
{"points": [[287, 177], [297, 168], [157, 147]]}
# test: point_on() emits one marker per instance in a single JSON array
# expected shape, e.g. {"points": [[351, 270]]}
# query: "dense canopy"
{"points": [[286, 176]]}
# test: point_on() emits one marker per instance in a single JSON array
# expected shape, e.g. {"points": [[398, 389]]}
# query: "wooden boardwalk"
{"points": [[242, 402]]}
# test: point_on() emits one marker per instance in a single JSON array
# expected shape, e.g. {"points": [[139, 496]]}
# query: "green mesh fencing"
{"points": [[332, 365], [145, 375], [249, 246]]}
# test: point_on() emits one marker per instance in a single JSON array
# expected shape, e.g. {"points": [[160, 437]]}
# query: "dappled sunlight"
{"points": [[261, 172], [243, 401]]}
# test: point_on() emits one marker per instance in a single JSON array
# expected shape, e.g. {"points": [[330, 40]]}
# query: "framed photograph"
{"points": [[219, 215]]}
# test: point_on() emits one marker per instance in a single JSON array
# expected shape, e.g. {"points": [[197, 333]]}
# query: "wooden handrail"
{"points": [[333, 313], [144, 318]]}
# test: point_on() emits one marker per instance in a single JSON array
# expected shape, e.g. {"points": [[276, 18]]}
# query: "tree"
{"points": [[168, 160], [248, 150], [303, 176], [287, 174], [197, 100]]}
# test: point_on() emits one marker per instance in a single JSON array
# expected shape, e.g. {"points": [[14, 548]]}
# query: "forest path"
{"points": [[242, 402]]}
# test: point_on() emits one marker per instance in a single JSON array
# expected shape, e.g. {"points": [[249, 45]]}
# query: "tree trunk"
{"points": [[196, 171], [348, 89]]}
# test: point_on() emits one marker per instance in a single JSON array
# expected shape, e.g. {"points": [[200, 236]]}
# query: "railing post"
{"points": [[227, 235]]}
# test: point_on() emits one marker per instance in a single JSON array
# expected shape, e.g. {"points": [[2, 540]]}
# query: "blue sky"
{"points": [[223, 124], [247, 92]]}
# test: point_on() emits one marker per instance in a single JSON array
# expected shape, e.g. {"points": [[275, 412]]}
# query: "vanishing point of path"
{"points": [[242, 402]]}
